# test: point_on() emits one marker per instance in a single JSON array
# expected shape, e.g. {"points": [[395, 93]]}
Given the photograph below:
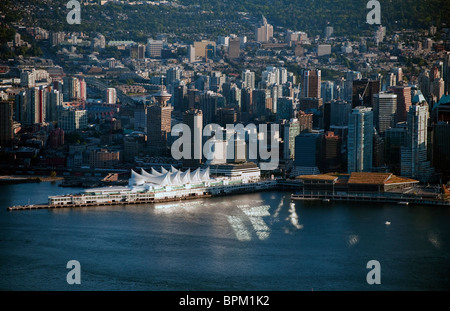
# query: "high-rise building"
{"points": [[331, 153], [311, 83], [327, 91], [246, 104], [73, 120], [446, 73], [328, 32], [159, 118], [53, 106], [394, 140], [201, 48], [234, 48], [173, 74], [71, 89], [6, 123], [360, 140], [193, 118], [210, 102], [140, 117], [21, 107], [264, 31], [385, 107], [403, 102], [285, 108], [305, 121], [414, 162], [363, 91], [111, 96], [154, 48], [191, 54], [307, 153], [290, 130], [248, 79], [261, 102], [441, 149], [36, 101], [138, 51]]}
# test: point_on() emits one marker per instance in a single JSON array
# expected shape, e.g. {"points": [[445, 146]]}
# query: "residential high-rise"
{"points": [[111, 96], [159, 118], [191, 54], [36, 105], [20, 109], [360, 140], [363, 91], [403, 102], [6, 123], [264, 31], [193, 118], [385, 107], [53, 106], [71, 89], [290, 130], [248, 79], [311, 83], [414, 162]]}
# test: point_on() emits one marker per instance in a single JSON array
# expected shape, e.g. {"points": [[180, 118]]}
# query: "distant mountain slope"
{"points": [[348, 17]]}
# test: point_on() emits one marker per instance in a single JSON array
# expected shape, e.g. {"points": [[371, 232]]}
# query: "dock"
{"points": [[97, 204], [369, 197]]}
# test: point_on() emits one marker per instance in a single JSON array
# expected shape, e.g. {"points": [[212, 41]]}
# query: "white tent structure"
{"points": [[165, 178]]}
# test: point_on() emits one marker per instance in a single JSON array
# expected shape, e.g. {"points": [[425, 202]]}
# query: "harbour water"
{"points": [[260, 241]]}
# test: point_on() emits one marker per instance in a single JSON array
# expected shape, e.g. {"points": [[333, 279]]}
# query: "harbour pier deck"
{"points": [[370, 197], [97, 204]]}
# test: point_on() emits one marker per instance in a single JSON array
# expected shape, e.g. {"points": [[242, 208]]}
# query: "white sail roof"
{"points": [[173, 177]]}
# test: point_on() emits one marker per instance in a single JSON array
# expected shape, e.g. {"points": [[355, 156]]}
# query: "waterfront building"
{"points": [[307, 153], [394, 140], [360, 140]]}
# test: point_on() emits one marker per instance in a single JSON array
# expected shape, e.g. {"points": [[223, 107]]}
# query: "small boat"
{"points": [[326, 200], [403, 203], [388, 223]]}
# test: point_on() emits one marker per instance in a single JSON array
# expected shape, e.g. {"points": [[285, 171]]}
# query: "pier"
{"points": [[97, 204], [370, 197]]}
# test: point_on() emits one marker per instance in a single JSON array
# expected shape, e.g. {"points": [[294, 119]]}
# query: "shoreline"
{"points": [[15, 180]]}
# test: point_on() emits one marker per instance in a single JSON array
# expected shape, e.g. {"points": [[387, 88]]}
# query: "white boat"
{"points": [[326, 200], [403, 203], [388, 223]]}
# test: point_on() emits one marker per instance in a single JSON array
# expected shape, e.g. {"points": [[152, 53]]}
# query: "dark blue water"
{"points": [[244, 242]]}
